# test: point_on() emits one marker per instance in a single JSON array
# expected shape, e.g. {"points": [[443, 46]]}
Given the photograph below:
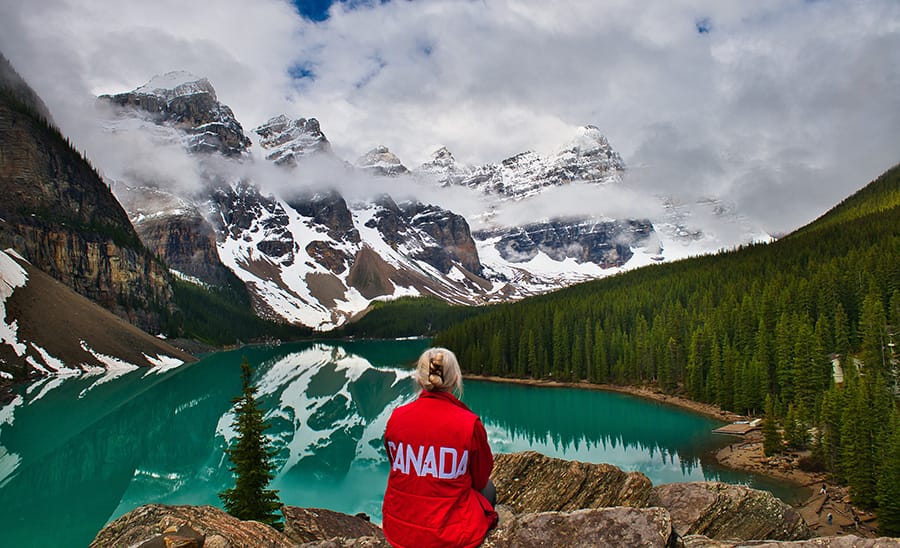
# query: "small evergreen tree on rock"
{"points": [[251, 458]]}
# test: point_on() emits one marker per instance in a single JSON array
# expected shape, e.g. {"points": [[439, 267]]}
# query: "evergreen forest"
{"points": [[803, 330]]}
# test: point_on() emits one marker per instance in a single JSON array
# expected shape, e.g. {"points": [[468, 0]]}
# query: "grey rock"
{"points": [[847, 541], [450, 231], [362, 542], [150, 522], [586, 528], [328, 209], [530, 482], [724, 511], [305, 525]]}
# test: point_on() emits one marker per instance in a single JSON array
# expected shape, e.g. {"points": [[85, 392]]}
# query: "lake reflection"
{"points": [[79, 452]]}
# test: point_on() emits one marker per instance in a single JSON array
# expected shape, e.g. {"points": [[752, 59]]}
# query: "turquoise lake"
{"points": [[76, 453]]}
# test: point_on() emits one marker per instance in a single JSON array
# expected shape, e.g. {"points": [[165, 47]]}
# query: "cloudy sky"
{"points": [[781, 107]]}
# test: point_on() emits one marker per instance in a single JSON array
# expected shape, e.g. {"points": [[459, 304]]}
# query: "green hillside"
{"points": [[882, 194], [406, 317], [738, 328]]}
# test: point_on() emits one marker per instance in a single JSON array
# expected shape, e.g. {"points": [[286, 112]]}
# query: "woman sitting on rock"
{"points": [[439, 491]]}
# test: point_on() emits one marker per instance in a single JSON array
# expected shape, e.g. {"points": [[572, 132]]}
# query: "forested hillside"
{"points": [[739, 328]]}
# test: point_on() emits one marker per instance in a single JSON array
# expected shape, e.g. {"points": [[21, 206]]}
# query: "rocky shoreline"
{"points": [[542, 501], [746, 454]]}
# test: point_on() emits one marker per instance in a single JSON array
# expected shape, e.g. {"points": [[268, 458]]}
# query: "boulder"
{"points": [[729, 512], [531, 482], [619, 526], [847, 541], [305, 525], [151, 524], [362, 542]]}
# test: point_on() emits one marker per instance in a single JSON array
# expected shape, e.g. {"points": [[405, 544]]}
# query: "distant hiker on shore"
{"points": [[439, 491]]}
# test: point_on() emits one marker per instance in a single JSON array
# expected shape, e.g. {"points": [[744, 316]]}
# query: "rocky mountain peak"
{"points": [[589, 157], [588, 139], [444, 168], [442, 156], [288, 140], [177, 83], [381, 161], [188, 104]]}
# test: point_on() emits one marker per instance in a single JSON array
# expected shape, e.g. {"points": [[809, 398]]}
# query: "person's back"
{"points": [[440, 460]]}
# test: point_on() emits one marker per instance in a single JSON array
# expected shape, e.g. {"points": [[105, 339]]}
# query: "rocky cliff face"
{"points": [[176, 231], [606, 243], [62, 218]]}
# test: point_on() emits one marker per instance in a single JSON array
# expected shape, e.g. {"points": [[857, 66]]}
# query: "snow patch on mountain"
{"points": [[12, 276], [173, 84]]}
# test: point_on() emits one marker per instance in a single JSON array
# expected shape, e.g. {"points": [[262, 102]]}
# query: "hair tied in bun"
{"points": [[436, 369]]}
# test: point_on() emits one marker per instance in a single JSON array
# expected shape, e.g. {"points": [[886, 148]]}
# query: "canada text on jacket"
{"points": [[437, 462]]}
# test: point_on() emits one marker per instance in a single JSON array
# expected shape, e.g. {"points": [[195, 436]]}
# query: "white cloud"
{"points": [[784, 107]]}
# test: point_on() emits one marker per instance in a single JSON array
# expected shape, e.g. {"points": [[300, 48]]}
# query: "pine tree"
{"points": [[807, 370], [830, 429], [872, 328], [857, 437], [889, 483], [251, 458], [601, 368], [771, 435], [841, 334], [795, 431]]}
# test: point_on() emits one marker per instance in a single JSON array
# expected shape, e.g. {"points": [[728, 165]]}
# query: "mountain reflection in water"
{"points": [[82, 452]]}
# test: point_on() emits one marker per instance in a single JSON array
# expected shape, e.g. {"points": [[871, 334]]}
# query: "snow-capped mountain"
{"points": [[310, 256], [588, 158], [381, 161], [287, 141], [316, 260], [188, 103]]}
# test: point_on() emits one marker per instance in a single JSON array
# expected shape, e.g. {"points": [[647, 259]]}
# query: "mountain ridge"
{"points": [[458, 264]]}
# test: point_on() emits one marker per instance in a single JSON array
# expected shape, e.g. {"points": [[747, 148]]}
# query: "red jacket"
{"points": [[440, 460]]}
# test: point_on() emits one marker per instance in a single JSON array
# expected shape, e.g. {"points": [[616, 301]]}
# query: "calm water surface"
{"points": [[78, 452]]}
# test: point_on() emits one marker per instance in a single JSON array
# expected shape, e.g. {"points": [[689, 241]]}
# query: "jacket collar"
{"points": [[446, 396]]}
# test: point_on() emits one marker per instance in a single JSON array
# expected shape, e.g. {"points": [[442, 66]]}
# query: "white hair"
{"points": [[438, 371]]}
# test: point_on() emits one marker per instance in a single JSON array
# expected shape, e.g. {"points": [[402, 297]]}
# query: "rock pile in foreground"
{"points": [[541, 502], [532, 482]]}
